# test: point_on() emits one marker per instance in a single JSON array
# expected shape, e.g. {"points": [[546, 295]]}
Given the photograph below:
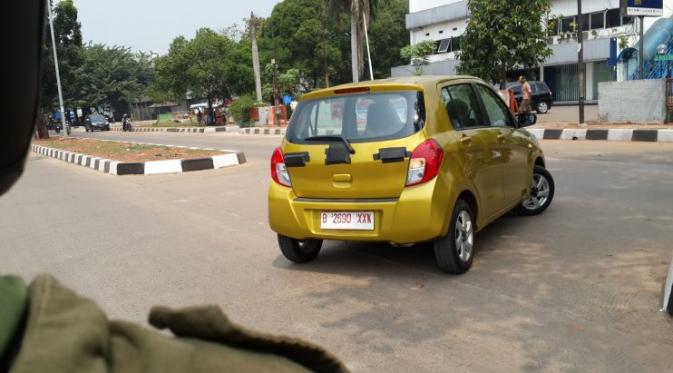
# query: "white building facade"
{"points": [[445, 21]]}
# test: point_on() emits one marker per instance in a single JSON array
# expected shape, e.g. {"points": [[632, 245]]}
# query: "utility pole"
{"points": [[355, 51], [255, 57], [641, 52], [275, 78], [66, 128], [581, 76], [369, 54]]}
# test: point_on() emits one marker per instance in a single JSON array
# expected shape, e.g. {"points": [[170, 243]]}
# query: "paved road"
{"points": [[577, 288]]}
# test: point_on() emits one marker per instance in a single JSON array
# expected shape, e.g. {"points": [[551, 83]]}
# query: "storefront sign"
{"points": [[644, 8]]}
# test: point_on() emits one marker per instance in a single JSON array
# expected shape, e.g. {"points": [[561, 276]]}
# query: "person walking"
{"points": [[507, 95], [526, 93]]}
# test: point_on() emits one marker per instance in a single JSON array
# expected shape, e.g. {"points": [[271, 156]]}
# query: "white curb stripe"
{"points": [[620, 134], [225, 160], [574, 134], [668, 290], [537, 132], [113, 167], [163, 167], [665, 135]]}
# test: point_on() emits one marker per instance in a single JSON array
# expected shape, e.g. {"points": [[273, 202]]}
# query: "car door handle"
{"points": [[466, 140]]}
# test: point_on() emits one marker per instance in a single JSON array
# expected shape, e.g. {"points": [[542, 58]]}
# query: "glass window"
{"points": [[586, 22], [566, 24], [359, 117], [455, 44], [498, 114], [462, 106], [444, 45], [597, 20], [612, 18]]}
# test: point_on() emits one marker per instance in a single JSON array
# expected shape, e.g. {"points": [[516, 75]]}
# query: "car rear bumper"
{"points": [[413, 217]]}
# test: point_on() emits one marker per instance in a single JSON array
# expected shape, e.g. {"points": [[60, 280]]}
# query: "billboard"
{"points": [[646, 8]]}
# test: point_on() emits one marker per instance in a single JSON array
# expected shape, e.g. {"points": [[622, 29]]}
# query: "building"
{"points": [[445, 21]]}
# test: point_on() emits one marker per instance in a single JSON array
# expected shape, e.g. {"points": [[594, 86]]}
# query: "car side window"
{"points": [[462, 106], [498, 114]]}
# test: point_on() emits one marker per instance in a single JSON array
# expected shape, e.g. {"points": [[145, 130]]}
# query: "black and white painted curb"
{"points": [[170, 166], [179, 129], [668, 291], [612, 134], [262, 131]]}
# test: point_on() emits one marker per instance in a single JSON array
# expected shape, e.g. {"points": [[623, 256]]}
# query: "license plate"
{"points": [[346, 220]]}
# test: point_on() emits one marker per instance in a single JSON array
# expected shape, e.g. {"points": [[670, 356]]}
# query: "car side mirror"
{"points": [[527, 119]]}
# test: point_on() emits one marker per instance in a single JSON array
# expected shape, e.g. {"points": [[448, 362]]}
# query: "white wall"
{"points": [[569, 8], [616, 101], [418, 36], [418, 5], [589, 85]]}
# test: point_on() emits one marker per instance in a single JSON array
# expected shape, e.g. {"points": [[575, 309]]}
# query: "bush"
{"points": [[240, 110]]}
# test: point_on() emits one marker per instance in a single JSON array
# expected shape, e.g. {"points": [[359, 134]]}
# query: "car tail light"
{"points": [[425, 162], [279, 172]]}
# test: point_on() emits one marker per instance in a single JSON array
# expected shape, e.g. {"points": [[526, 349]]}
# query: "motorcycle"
{"points": [[126, 126]]}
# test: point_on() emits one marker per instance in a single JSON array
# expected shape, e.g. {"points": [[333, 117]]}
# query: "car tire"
{"points": [[542, 107], [454, 252], [542, 193], [299, 251]]}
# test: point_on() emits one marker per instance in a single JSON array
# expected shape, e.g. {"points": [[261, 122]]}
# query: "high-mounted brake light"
{"points": [[344, 91], [279, 172], [425, 162]]}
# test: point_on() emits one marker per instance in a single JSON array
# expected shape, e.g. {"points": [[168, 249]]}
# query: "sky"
{"points": [[151, 25]]}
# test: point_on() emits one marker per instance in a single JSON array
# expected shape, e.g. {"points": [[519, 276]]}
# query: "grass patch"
{"points": [[123, 151]]}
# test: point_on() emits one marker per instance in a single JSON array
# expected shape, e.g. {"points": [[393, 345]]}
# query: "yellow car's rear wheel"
{"points": [[299, 251], [455, 251]]}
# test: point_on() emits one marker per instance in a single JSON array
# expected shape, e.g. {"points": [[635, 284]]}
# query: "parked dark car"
{"points": [[541, 99], [96, 122]]}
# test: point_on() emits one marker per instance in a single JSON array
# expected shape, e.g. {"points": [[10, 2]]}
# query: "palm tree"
{"points": [[359, 11]]}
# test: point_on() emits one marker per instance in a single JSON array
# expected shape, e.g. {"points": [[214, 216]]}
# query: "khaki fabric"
{"points": [[67, 333], [13, 306]]}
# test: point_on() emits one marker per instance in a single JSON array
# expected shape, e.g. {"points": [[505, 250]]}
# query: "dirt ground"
{"points": [[123, 151]]}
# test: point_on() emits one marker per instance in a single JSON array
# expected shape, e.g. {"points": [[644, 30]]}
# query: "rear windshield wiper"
{"points": [[332, 138]]}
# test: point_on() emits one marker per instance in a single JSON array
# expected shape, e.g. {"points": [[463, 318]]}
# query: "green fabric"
{"points": [[13, 303], [67, 333]]}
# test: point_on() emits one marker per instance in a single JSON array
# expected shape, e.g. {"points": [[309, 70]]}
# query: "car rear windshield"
{"points": [[97, 118], [359, 117]]}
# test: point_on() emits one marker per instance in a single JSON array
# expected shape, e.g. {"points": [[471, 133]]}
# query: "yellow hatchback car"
{"points": [[404, 160]]}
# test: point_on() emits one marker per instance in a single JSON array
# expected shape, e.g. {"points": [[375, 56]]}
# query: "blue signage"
{"points": [[646, 8], [612, 61]]}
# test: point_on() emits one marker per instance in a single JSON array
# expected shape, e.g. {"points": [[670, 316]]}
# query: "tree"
{"points": [[302, 40], [358, 11], [112, 76], [202, 66], [387, 35], [418, 54], [68, 35], [502, 35]]}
